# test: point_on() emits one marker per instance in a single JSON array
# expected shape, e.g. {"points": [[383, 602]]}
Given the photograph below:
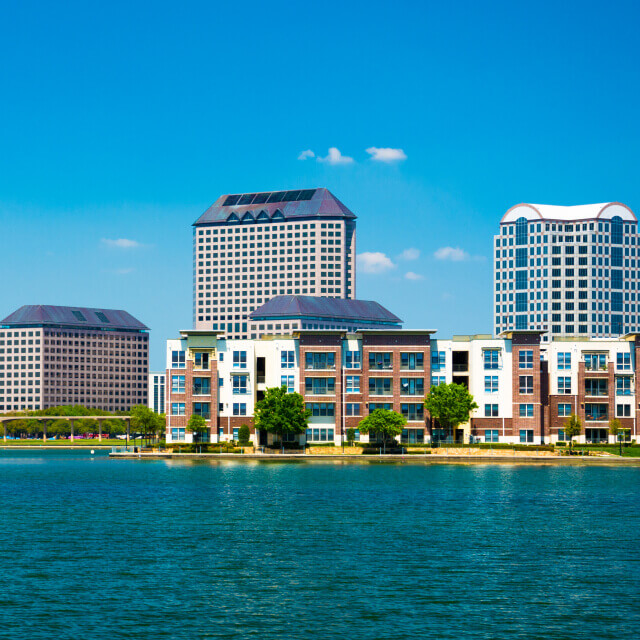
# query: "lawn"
{"points": [[632, 451]]}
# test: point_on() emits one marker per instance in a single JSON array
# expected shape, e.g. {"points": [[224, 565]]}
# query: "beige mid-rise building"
{"points": [[249, 248]]}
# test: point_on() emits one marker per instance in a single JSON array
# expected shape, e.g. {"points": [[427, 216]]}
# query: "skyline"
{"points": [[116, 137]]}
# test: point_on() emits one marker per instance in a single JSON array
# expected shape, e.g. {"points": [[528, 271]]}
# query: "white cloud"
{"points": [[335, 157], [121, 243], [385, 154], [410, 275], [409, 254], [374, 262], [306, 154], [450, 253], [120, 272]]}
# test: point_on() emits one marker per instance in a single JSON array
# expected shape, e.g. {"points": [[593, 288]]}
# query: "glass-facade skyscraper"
{"points": [[567, 271]]}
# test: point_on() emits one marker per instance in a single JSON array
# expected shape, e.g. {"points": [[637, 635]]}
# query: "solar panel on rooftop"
{"points": [[261, 198], [230, 201]]}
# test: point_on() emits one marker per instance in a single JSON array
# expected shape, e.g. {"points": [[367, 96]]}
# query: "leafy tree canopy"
{"points": [[281, 412], [196, 424], [384, 422], [572, 427], [450, 404]]}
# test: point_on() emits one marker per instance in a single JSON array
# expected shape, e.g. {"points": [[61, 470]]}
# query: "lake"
{"points": [[99, 548]]}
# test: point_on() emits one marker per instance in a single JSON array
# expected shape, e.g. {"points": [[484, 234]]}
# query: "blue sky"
{"points": [[126, 120]]}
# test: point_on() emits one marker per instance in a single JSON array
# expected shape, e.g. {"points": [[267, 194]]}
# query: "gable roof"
{"points": [[45, 315], [320, 204], [321, 307]]}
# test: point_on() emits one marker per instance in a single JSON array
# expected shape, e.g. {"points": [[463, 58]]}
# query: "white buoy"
{"points": [[92, 451]]}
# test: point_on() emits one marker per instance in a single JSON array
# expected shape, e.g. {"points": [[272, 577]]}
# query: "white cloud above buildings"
{"points": [[335, 157], [454, 254], [121, 243], [411, 275], [409, 254], [386, 154], [374, 262]]}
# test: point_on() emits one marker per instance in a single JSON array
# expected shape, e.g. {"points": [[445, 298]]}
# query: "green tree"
{"points": [[197, 425], [383, 422], [351, 436], [572, 427], [244, 434], [450, 405], [143, 419], [615, 429], [281, 413]]}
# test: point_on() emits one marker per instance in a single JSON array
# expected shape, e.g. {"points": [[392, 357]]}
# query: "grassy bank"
{"points": [[78, 442]]}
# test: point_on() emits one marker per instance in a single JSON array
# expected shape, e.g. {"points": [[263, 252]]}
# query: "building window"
{"points": [[490, 410], [380, 386], [378, 360], [177, 409], [321, 409], [353, 360], [436, 381], [201, 386], [437, 360], [287, 359], [491, 435], [319, 434], [353, 384], [491, 384], [320, 360], [521, 231], [240, 359], [239, 409], [240, 384], [564, 360], [412, 361], [623, 410], [564, 410], [526, 411], [178, 360], [526, 436], [596, 387], [288, 382], [412, 386], [320, 386], [595, 361], [202, 409], [526, 384], [623, 386], [177, 384], [491, 358], [387, 406], [564, 384], [623, 361], [412, 412], [525, 359], [353, 409], [177, 434], [201, 360]]}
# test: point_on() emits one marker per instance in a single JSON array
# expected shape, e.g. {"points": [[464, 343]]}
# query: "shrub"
{"points": [[244, 434]]}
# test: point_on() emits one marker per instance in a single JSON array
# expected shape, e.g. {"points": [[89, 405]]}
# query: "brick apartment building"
{"points": [[51, 356], [524, 391]]}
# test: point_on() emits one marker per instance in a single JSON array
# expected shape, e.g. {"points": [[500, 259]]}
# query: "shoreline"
{"points": [[391, 458]]}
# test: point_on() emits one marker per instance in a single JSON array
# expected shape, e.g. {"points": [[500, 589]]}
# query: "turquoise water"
{"points": [[97, 548]]}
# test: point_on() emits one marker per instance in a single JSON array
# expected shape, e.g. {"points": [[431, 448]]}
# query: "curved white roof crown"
{"points": [[602, 211]]}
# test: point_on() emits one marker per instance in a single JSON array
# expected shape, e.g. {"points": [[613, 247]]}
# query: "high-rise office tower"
{"points": [[248, 248], [568, 270]]}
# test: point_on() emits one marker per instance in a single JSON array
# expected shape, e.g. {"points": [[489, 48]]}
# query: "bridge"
{"points": [[5, 418]]}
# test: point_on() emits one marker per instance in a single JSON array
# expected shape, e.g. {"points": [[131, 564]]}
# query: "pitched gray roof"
{"points": [[322, 203], [320, 307], [46, 315]]}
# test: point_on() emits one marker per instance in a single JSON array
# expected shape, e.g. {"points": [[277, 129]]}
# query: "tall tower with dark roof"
{"points": [[248, 248]]}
